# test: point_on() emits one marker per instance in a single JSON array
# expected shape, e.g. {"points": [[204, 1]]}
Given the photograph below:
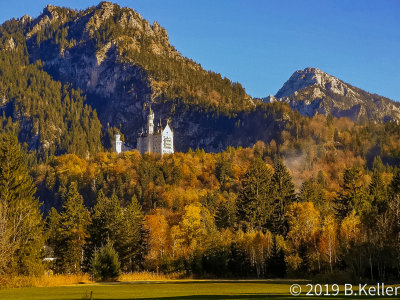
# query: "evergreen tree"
{"points": [[254, 200], [133, 237], [51, 227], [276, 263], [226, 214], [352, 195], [105, 264], [378, 193], [283, 193], [378, 165], [71, 232], [310, 192], [106, 223], [21, 219], [223, 171]]}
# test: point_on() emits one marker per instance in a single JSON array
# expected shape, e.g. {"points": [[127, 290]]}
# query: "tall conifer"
{"points": [[254, 200], [283, 193], [71, 232], [21, 218]]}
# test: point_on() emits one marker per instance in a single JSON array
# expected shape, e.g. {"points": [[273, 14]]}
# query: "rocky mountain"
{"points": [[122, 64], [312, 91]]}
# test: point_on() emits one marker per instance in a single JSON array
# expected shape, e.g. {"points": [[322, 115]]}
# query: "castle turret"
{"points": [[150, 122]]}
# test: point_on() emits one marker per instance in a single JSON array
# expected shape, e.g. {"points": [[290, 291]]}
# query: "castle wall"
{"points": [[157, 142]]}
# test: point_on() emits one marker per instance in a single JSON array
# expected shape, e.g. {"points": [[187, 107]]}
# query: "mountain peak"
{"points": [[308, 77], [312, 91]]}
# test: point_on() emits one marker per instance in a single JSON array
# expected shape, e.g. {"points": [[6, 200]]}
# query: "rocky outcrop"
{"points": [[312, 91]]}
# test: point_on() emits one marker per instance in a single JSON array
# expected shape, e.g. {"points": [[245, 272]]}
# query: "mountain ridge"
{"points": [[312, 91]]}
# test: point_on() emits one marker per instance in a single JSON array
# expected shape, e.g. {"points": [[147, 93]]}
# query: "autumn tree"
{"points": [[157, 226], [303, 236], [329, 242], [257, 248], [197, 227]]}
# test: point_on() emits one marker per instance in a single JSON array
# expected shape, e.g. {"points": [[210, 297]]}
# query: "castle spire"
{"points": [[150, 122]]}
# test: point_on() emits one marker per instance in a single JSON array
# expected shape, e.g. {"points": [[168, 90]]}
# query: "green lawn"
{"points": [[166, 290]]}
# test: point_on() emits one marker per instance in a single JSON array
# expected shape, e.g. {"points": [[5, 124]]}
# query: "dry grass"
{"points": [[63, 279], [149, 276], [42, 281]]}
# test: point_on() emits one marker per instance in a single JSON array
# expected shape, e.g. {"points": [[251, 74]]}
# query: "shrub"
{"points": [[105, 265]]}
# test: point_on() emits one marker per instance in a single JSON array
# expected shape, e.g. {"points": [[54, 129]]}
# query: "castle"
{"points": [[154, 140]]}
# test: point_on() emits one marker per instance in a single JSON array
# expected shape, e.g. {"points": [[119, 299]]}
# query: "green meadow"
{"points": [[167, 290]]}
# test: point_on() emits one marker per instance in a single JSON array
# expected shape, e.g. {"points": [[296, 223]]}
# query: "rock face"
{"points": [[311, 91]]}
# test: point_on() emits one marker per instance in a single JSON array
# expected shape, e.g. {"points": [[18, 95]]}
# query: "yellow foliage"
{"points": [[70, 164], [350, 230]]}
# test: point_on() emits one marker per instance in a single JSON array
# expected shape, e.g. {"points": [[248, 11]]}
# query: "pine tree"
{"points": [[283, 193], [223, 171], [51, 227], [226, 214], [133, 237], [352, 195], [310, 192], [71, 232], [378, 193], [105, 263], [254, 200], [21, 217], [106, 223]]}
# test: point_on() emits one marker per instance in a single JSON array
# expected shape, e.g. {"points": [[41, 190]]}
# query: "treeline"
{"points": [[231, 214]]}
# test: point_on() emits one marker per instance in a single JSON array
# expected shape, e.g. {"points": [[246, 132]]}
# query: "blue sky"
{"points": [[260, 43]]}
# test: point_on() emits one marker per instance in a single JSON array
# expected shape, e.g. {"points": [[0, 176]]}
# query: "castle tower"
{"points": [[150, 122], [118, 144], [160, 140]]}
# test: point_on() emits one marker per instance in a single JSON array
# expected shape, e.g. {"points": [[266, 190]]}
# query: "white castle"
{"points": [[159, 140]]}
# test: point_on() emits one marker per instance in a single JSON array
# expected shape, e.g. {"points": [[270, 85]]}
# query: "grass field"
{"points": [[166, 290]]}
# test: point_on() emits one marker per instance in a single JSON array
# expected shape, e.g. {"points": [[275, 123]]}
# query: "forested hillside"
{"points": [[308, 205], [53, 117]]}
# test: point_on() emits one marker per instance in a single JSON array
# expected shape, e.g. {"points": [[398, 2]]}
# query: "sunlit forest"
{"points": [[324, 202]]}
